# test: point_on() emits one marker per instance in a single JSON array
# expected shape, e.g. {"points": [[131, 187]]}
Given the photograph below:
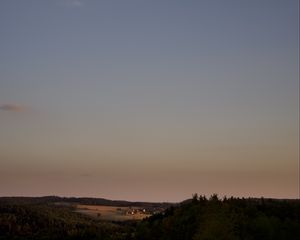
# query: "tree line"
{"points": [[199, 218]]}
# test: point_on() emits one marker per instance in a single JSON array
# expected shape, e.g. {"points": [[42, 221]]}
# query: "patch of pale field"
{"points": [[110, 213]]}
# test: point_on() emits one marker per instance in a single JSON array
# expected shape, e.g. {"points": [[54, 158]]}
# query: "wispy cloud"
{"points": [[11, 107], [72, 3]]}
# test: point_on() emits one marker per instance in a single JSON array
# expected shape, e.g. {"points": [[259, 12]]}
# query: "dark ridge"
{"points": [[81, 200]]}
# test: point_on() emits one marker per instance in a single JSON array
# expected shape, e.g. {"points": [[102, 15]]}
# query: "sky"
{"points": [[149, 100]]}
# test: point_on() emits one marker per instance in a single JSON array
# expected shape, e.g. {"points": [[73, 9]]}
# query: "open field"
{"points": [[113, 213]]}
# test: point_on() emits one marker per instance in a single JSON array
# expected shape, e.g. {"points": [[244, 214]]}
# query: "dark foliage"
{"points": [[227, 219], [49, 221], [195, 219]]}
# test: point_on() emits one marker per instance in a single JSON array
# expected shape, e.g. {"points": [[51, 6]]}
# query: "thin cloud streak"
{"points": [[72, 3], [10, 107]]}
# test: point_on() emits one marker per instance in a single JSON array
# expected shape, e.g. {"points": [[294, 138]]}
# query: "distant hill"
{"points": [[81, 200]]}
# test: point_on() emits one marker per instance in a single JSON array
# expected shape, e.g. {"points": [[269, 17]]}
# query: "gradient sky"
{"points": [[149, 100]]}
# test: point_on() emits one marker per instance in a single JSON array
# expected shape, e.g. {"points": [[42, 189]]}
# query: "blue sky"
{"points": [[149, 100]]}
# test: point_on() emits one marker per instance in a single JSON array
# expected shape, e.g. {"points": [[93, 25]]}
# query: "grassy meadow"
{"points": [[112, 213]]}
